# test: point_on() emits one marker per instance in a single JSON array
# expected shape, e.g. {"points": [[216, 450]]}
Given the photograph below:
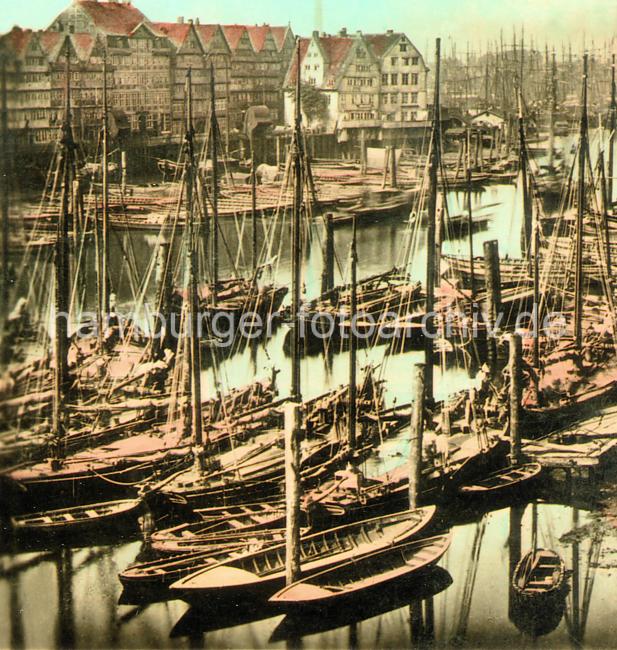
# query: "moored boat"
{"points": [[360, 575], [262, 573]]}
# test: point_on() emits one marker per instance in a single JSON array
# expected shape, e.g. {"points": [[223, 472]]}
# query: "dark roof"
{"points": [[116, 18]]}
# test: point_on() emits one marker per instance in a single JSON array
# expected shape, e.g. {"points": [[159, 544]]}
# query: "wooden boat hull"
{"points": [[78, 520], [340, 584], [261, 574], [503, 482], [539, 575]]}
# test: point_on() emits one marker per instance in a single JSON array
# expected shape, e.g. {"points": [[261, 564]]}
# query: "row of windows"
{"points": [[359, 81], [406, 116], [406, 60], [360, 115], [393, 98], [406, 79]]}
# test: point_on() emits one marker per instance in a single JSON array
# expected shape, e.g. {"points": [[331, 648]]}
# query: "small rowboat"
{"points": [[539, 574], [76, 519], [150, 580], [359, 575], [503, 480], [262, 573], [218, 522]]}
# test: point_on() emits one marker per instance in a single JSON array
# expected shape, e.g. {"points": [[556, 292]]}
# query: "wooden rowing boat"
{"points": [[76, 520], [541, 573], [503, 480], [218, 522], [262, 573], [360, 575]]}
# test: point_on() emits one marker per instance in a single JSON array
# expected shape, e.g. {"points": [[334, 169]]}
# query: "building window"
{"points": [[403, 47], [384, 79], [414, 79], [393, 60], [405, 98], [394, 98], [405, 60], [414, 98], [405, 116], [405, 79], [385, 98], [394, 79], [415, 60]]}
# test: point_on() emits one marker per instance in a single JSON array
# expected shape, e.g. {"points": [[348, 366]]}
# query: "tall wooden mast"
{"points": [[611, 141], [62, 270], [105, 180], [4, 180], [522, 165], [293, 429], [214, 235], [353, 308], [191, 262], [431, 270], [582, 157]]}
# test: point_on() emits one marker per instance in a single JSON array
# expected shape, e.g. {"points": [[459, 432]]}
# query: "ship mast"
{"points": [[214, 132], [62, 272], [611, 140], [582, 157], [293, 428], [193, 302], [353, 308], [105, 181], [431, 270]]}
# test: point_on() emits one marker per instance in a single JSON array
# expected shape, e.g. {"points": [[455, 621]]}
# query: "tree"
{"points": [[314, 103]]}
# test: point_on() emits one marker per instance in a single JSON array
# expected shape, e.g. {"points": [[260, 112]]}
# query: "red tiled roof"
{"points": [[17, 39], [279, 34], [51, 40], [290, 77], [233, 34], [336, 49], [381, 42], [176, 32], [113, 17], [258, 35], [206, 32], [83, 44]]}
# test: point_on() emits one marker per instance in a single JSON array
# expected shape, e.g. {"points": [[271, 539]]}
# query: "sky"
{"points": [[459, 21]]}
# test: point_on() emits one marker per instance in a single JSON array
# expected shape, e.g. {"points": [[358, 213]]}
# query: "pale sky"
{"points": [[460, 20]]}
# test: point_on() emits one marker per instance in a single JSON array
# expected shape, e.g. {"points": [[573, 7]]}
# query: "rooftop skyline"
{"points": [[473, 21]]}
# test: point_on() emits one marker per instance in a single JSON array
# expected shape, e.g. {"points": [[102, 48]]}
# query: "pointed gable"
{"points": [[16, 41], [237, 37], [283, 37], [292, 71], [212, 38], [177, 33]]}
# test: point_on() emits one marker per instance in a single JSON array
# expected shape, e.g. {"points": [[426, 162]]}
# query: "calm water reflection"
{"points": [[70, 597]]}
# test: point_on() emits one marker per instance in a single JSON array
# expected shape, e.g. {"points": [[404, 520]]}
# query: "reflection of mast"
{"points": [[66, 624], [4, 182], [16, 613], [470, 582], [514, 549]]}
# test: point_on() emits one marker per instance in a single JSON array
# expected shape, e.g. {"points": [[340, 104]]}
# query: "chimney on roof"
{"points": [[343, 31], [359, 32], [315, 34], [390, 32], [180, 20], [190, 21], [197, 21]]}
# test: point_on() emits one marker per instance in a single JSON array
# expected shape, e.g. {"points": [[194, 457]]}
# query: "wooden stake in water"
{"points": [[417, 432], [516, 355]]}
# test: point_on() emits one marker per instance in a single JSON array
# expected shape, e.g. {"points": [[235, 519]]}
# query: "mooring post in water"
{"points": [[611, 139], [123, 163], [327, 275], [292, 490], [516, 355], [417, 432], [362, 151], [393, 181], [492, 277]]}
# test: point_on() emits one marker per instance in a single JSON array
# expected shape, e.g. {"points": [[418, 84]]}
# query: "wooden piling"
{"points": [[493, 296], [353, 308], [516, 391], [393, 181], [327, 275], [416, 435], [292, 490]]}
